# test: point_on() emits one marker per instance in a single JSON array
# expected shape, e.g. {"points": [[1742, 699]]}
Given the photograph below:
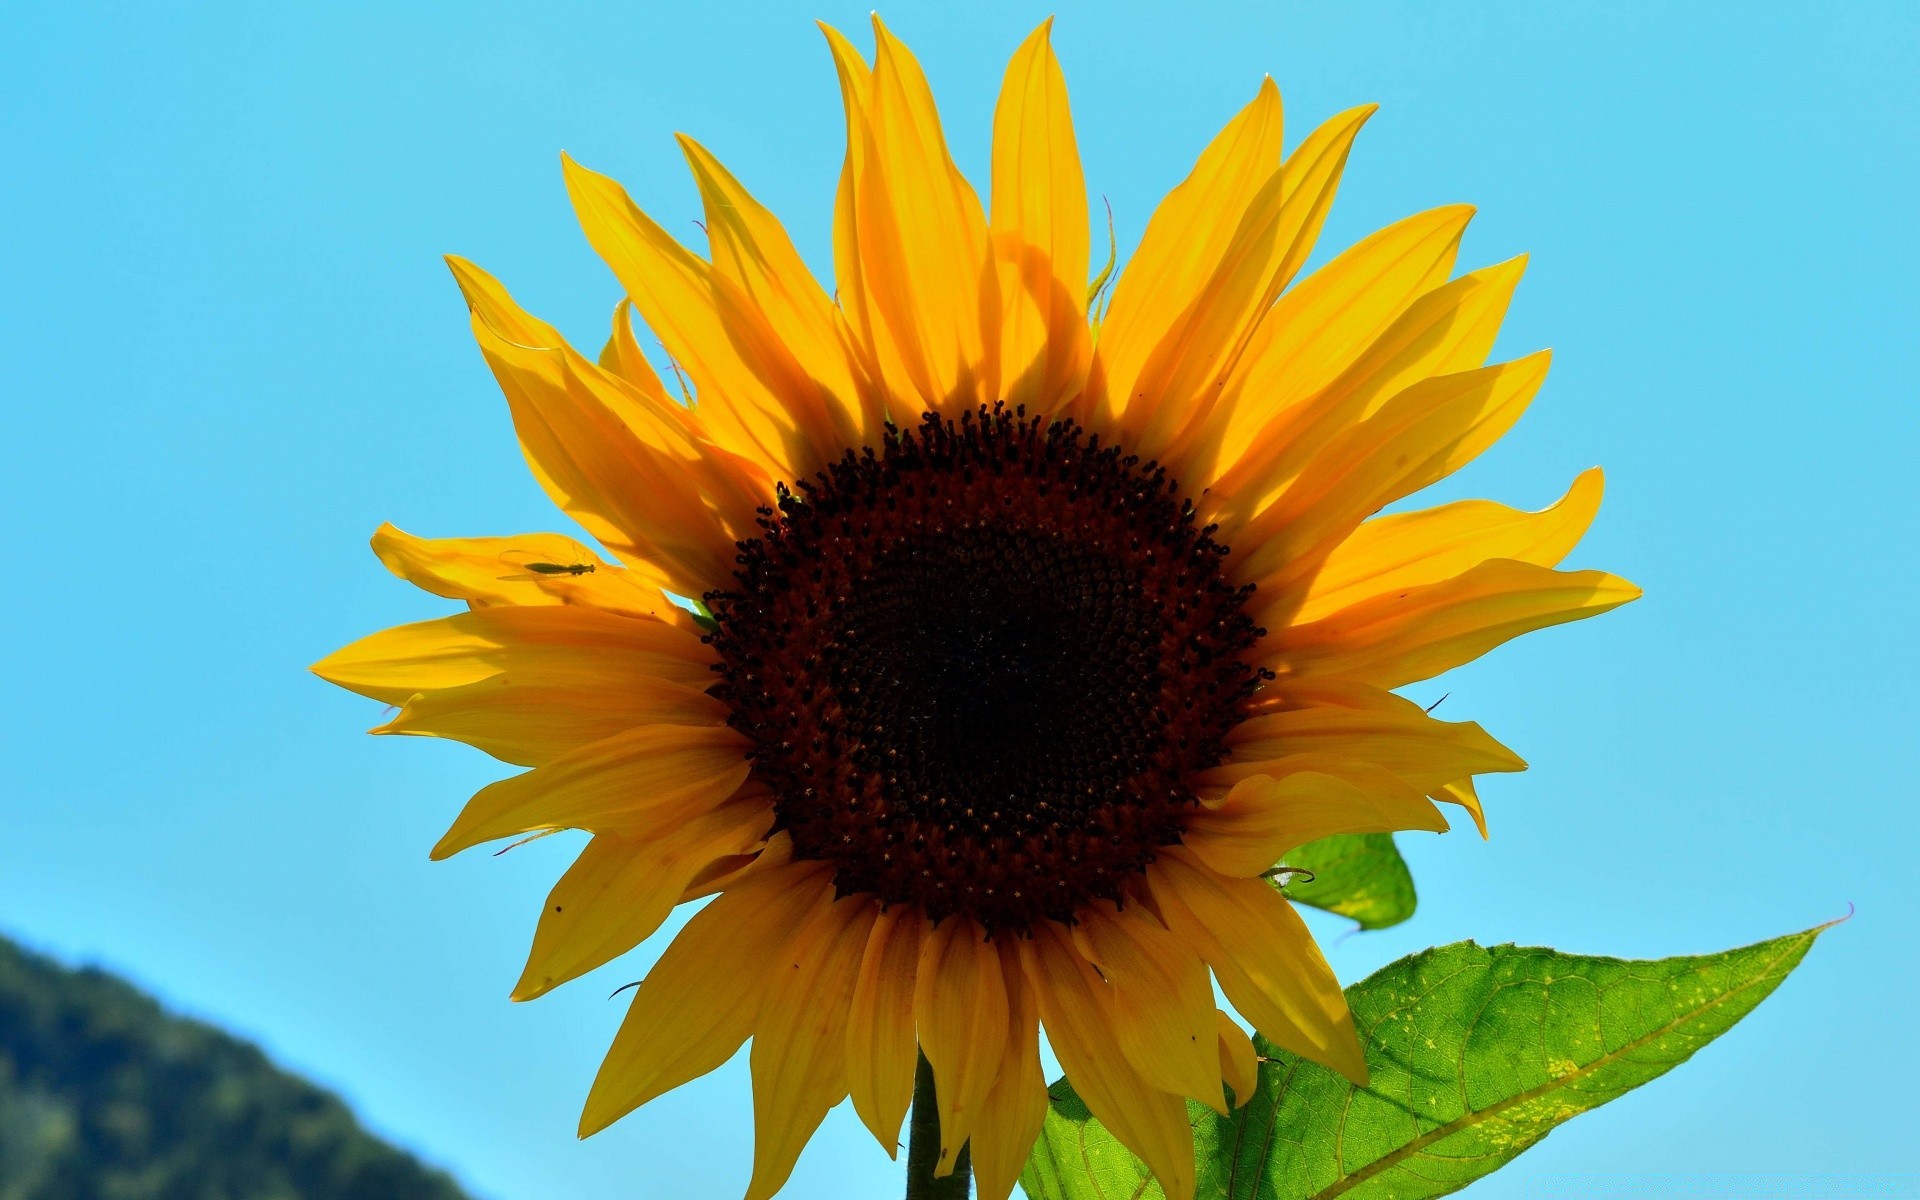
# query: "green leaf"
{"points": [[1358, 875], [1475, 1053]]}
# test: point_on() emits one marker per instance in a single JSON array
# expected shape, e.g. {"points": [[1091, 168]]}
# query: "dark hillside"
{"points": [[105, 1096]]}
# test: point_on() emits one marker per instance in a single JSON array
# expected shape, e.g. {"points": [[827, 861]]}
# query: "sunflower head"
{"points": [[1019, 658]]}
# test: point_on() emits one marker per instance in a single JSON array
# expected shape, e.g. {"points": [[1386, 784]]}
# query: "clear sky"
{"points": [[231, 351]]}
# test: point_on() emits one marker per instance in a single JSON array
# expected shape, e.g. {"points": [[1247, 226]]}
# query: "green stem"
{"points": [[923, 1147]]}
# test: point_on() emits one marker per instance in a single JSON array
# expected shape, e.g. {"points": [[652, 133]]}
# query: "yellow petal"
{"points": [[1407, 550], [751, 248], [1319, 328], [622, 355], [629, 782], [1039, 228], [1340, 719], [1263, 817], [1266, 961], [619, 890], [1162, 1008], [1448, 330], [481, 571], [1392, 454], [1184, 242], [1179, 385], [754, 398], [494, 571], [925, 259], [699, 1002], [1462, 792], [1004, 1134], [636, 473], [1403, 637], [799, 1039], [882, 1050], [1239, 1065], [395, 664], [876, 347], [1075, 1005], [532, 718], [960, 1003]]}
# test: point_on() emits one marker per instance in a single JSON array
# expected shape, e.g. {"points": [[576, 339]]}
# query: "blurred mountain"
{"points": [[105, 1096]]}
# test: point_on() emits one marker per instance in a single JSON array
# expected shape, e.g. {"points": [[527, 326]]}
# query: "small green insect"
{"points": [[531, 568]]}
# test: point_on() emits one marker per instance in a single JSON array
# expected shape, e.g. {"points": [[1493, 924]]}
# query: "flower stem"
{"points": [[923, 1147]]}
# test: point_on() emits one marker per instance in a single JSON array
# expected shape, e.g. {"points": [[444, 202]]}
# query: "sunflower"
{"points": [[1016, 634]]}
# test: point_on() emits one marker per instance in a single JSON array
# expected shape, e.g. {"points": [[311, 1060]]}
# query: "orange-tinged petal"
{"points": [[700, 1001], [394, 665], [1317, 329], [882, 1050], [629, 782], [1340, 719], [960, 1004], [751, 248], [1075, 1006], [532, 718], [1264, 957], [799, 1039], [925, 258], [1039, 229], [1401, 638], [754, 398], [1004, 1134], [1178, 387], [1239, 1064], [1407, 550], [1448, 330], [1184, 242], [1162, 1008], [1392, 454], [620, 888], [1263, 817]]}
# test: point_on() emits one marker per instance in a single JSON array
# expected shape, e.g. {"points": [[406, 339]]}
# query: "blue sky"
{"points": [[232, 351]]}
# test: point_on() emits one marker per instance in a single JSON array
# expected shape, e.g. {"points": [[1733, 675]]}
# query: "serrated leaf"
{"points": [[1475, 1054], [1357, 875]]}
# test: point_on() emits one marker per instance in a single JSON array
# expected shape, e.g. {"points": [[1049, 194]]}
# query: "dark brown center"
{"points": [[979, 665]]}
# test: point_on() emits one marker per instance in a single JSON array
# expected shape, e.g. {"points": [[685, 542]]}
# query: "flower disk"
{"points": [[979, 666]]}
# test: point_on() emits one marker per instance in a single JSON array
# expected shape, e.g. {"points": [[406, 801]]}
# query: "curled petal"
{"points": [[1239, 1065]]}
